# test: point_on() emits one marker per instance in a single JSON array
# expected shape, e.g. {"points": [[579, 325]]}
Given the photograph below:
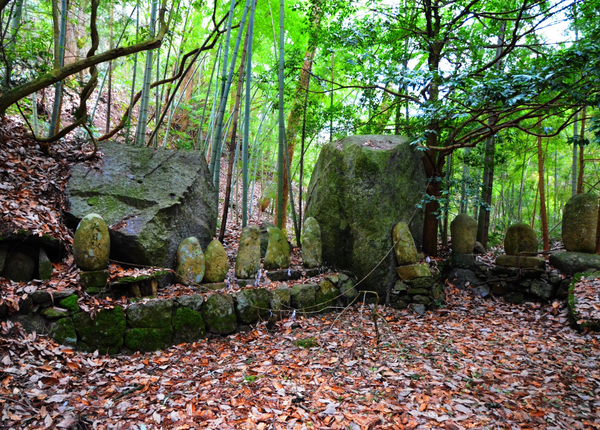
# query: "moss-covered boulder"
{"points": [[188, 326], [280, 298], [93, 279], [18, 267], [278, 250], [463, 230], [247, 262], [63, 331], [153, 198], [304, 296], [150, 314], [519, 238], [190, 261], [312, 245], [103, 333], [575, 262], [218, 314], [360, 188], [216, 263], [91, 244], [326, 295], [523, 262], [579, 223], [404, 245], [252, 305], [193, 302], [54, 313], [44, 266], [148, 339]]}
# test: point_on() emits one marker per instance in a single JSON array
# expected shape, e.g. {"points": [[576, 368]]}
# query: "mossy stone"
{"points": [[252, 305], [404, 245], [424, 300], [413, 271], [103, 333], [575, 262], [278, 250], [519, 238], [579, 223], [312, 244], [515, 297], [18, 267], [44, 266], [521, 261], [150, 314], [304, 296], [148, 339], [190, 261], [463, 230], [360, 188], [348, 291], [3, 255], [42, 298], [193, 302], [280, 298], [91, 244], [217, 265], [418, 291], [71, 303], [218, 314], [247, 262], [188, 326], [326, 295], [425, 282], [63, 331], [93, 279], [54, 313]]}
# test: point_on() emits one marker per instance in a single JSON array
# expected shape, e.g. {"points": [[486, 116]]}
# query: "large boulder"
{"points": [[574, 262], [360, 188], [579, 223], [151, 199]]}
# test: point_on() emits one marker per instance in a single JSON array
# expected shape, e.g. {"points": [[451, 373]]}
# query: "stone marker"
{"points": [[190, 261], [278, 250], [404, 245], [579, 223], [312, 245], [463, 230], [519, 238], [19, 267], [216, 264], [91, 245], [45, 266], [247, 262]]}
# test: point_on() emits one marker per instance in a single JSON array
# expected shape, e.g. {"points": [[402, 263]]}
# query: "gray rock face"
{"points": [[151, 314], [463, 230], [312, 245], [247, 261], [360, 188], [404, 245], [580, 219], [151, 199], [519, 238], [278, 250], [190, 261]]}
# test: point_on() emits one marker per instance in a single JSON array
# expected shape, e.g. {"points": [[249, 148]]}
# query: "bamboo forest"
{"points": [[299, 214]]}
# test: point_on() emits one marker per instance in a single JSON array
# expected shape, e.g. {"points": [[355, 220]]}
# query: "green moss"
{"points": [[70, 303], [188, 326], [103, 333], [309, 342], [92, 200], [148, 339], [325, 297], [63, 331]]}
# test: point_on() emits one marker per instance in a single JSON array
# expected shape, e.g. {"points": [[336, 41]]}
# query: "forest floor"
{"points": [[475, 363]]}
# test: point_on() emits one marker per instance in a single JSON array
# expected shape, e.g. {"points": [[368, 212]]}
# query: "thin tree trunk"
{"points": [[447, 202], [245, 181], [581, 153], [56, 108], [541, 189], [281, 147], [110, 63]]}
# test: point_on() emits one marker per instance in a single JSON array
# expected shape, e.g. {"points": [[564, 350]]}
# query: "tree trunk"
{"points": [[281, 147], [581, 153], [541, 189]]}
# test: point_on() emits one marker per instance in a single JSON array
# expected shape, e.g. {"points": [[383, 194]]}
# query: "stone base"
{"points": [[413, 271], [464, 261], [575, 262], [520, 261]]}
